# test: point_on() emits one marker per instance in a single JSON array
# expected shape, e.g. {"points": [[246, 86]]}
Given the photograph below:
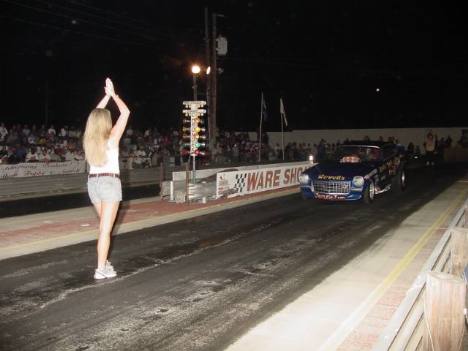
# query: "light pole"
{"points": [[195, 70]]}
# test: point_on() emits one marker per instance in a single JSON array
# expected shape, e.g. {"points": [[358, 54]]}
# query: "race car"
{"points": [[356, 171]]}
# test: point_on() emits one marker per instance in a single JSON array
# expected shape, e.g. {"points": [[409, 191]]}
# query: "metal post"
{"points": [[282, 136], [195, 98], [193, 169], [161, 176], [214, 82], [208, 86], [260, 132], [187, 181]]}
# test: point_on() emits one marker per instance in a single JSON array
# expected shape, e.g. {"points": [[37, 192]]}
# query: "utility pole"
{"points": [[209, 99], [214, 84]]}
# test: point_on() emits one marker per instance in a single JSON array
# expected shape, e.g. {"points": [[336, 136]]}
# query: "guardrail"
{"points": [[407, 327], [14, 188]]}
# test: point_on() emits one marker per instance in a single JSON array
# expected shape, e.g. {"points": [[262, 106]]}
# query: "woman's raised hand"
{"points": [[109, 87]]}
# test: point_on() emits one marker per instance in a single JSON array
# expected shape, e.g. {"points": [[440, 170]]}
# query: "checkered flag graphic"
{"points": [[240, 182]]}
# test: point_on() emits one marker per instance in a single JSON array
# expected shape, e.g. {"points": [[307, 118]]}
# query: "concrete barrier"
{"points": [[208, 172], [28, 187], [207, 180]]}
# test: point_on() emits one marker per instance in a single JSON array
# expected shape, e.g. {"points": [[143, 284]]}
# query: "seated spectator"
{"points": [[26, 131], [43, 155], [129, 131], [51, 130], [11, 156], [41, 141], [3, 154], [63, 132], [79, 155], [12, 137], [32, 156], [68, 155], [32, 139], [20, 153], [141, 159], [54, 156], [3, 133]]}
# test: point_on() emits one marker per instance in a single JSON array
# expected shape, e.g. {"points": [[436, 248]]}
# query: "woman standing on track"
{"points": [[101, 146]]}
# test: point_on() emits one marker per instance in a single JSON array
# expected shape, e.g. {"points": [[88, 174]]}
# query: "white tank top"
{"points": [[112, 163]]}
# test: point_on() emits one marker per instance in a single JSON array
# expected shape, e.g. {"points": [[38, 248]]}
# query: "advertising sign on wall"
{"points": [[42, 168], [244, 182]]}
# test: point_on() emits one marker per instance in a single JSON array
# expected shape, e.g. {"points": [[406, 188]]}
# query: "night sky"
{"points": [[337, 64]]}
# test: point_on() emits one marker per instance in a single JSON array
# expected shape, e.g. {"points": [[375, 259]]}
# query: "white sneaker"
{"points": [[110, 266], [106, 272]]}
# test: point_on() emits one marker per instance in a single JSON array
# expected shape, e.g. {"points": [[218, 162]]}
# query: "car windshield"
{"points": [[357, 153]]}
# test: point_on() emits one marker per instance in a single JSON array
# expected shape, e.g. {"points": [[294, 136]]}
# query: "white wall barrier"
{"points": [[204, 173], [404, 135], [243, 182], [41, 168]]}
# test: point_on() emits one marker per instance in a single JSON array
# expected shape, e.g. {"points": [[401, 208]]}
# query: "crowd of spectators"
{"points": [[22, 143], [150, 147], [139, 149]]}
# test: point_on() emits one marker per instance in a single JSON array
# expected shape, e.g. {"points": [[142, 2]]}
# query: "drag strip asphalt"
{"points": [[196, 284], [49, 203]]}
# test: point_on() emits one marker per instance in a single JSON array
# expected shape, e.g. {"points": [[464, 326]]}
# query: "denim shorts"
{"points": [[107, 189]]}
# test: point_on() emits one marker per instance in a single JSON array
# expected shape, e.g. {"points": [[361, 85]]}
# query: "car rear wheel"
{"points": [[369, 193]]}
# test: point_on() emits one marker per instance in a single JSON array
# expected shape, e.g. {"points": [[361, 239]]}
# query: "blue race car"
{"points": [[356, 171]]}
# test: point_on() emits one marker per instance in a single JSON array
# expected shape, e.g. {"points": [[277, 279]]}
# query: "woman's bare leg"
{"points": [[98, 208], [107, 218]]}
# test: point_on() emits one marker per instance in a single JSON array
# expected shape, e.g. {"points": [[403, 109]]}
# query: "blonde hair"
{"points": [[96, 135]]}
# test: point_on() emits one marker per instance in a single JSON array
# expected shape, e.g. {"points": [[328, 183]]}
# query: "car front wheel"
{"points": [[369, 193]]}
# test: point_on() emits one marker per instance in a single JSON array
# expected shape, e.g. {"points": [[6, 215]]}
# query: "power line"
{"points": [[106, 12], [46, 25], [105, 17], [53, 13], [72, 18]]}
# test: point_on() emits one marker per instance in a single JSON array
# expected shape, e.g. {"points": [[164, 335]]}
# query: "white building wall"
{"points": [[403, 135]]}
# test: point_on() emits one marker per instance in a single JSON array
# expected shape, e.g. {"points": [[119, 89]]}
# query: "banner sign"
{"points": [[244, 182], [33, 169], [204, 173]]}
